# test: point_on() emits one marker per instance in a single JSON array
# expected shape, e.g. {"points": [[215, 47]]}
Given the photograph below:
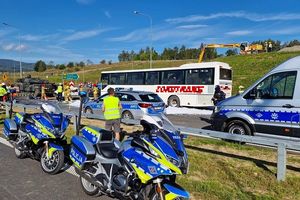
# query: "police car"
{"points": [[134, 104], [270, 106]]}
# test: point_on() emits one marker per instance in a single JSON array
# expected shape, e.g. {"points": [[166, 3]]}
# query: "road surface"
{"points": [[24, 179]]}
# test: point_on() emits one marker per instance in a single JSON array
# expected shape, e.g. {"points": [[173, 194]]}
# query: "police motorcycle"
{"points": [[144, 166], [40, 136]]}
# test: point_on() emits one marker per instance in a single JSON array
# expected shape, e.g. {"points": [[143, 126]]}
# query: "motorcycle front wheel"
{"points": [[54, 164], [89, 188], [154, 195]]}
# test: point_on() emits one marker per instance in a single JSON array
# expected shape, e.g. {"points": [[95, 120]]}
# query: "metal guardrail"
{"points": [[281, 145]]}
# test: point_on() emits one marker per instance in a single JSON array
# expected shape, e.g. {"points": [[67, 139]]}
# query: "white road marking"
{"points": [[70, 170]]}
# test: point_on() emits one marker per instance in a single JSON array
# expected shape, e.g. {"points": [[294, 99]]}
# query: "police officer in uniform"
{"points": [[111, 109], [59, 92]]}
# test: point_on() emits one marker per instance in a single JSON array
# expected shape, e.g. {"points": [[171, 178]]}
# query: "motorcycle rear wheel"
{"points": [[54, 164], [89, 188]]}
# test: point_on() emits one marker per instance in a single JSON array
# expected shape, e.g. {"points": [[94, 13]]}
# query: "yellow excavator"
{"points": [[245, 48]]}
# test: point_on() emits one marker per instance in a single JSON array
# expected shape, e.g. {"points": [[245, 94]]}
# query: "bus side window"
{"points": [[152, 78]]}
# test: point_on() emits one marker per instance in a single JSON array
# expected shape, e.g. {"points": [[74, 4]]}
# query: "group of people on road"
{"points": [[5, 91], [64, 91]]}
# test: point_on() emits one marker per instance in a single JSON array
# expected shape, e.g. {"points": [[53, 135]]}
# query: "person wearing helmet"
{"points": [[241, 89]]}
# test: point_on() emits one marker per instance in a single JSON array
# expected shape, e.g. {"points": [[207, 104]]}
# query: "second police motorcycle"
{"points": [[144, 166], [40, 136]]}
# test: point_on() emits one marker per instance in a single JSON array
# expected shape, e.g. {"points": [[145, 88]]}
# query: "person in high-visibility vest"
{"points": [[59, 92], [3, 92], [112, 112]]}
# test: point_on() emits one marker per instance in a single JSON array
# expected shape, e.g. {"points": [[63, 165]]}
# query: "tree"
{"points": [[50, 64], [231, 52], [62, 67], [103, 62], [81, 64], [89, 62], [70, 65], [40, 66], [110, 62], [293, 43]]}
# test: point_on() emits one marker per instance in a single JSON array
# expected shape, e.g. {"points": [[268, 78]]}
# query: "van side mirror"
{"points": [[252, 94]]}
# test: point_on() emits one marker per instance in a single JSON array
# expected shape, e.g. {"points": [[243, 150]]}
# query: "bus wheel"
{"points": [[173, 101]]}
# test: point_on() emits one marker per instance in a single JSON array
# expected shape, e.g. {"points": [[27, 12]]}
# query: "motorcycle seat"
{"points": [[107, 150]]}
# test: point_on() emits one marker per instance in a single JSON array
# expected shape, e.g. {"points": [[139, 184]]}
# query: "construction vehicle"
{"points": [[245, 48], [31, 87]]}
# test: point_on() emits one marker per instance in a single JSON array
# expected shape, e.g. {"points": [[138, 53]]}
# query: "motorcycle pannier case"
{"points": [[96, 135], [10, 129], [82, 151]]}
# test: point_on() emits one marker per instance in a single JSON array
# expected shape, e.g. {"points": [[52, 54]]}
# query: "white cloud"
{"points": [[287, 31], [8, 47], [239, 33], [85, 2], [35, 38], [161, 33], [14, 47], [192, 26], [130, 37], [237, 14], [107, 14], [79, 35], [21, 47]]}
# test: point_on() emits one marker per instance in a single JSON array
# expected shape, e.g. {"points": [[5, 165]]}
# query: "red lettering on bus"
{"points": [[182, 89]]}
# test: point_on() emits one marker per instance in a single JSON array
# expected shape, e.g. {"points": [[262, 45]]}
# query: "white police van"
{"points": [[270, 106]]}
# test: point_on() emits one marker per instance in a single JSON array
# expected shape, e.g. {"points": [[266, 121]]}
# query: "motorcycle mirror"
{"points": [[138, 142], [183, 136], [83, 94]]}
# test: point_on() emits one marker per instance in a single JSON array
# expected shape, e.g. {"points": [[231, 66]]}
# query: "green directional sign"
{"points": [[71, 76]]}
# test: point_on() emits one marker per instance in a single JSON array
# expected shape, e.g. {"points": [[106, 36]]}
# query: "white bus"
{"points": [[187, 85]]}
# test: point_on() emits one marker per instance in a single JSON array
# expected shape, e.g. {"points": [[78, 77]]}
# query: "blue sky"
{"points": [[75, 30]]}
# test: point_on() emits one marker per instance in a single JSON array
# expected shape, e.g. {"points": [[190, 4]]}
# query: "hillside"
{"points": [[246, 68], [7, 65]]}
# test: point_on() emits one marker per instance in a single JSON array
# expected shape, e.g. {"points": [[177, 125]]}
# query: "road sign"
{"points": [[71, 77], [5, 77]]}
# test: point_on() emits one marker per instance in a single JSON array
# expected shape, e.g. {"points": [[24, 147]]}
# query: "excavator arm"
{"points": [[237, 45]]}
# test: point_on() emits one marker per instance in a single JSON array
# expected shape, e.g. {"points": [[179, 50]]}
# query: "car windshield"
{"points": [[150, 98]]}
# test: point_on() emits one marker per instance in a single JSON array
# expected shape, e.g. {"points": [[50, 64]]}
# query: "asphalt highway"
{"points": [[24, 179]]}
